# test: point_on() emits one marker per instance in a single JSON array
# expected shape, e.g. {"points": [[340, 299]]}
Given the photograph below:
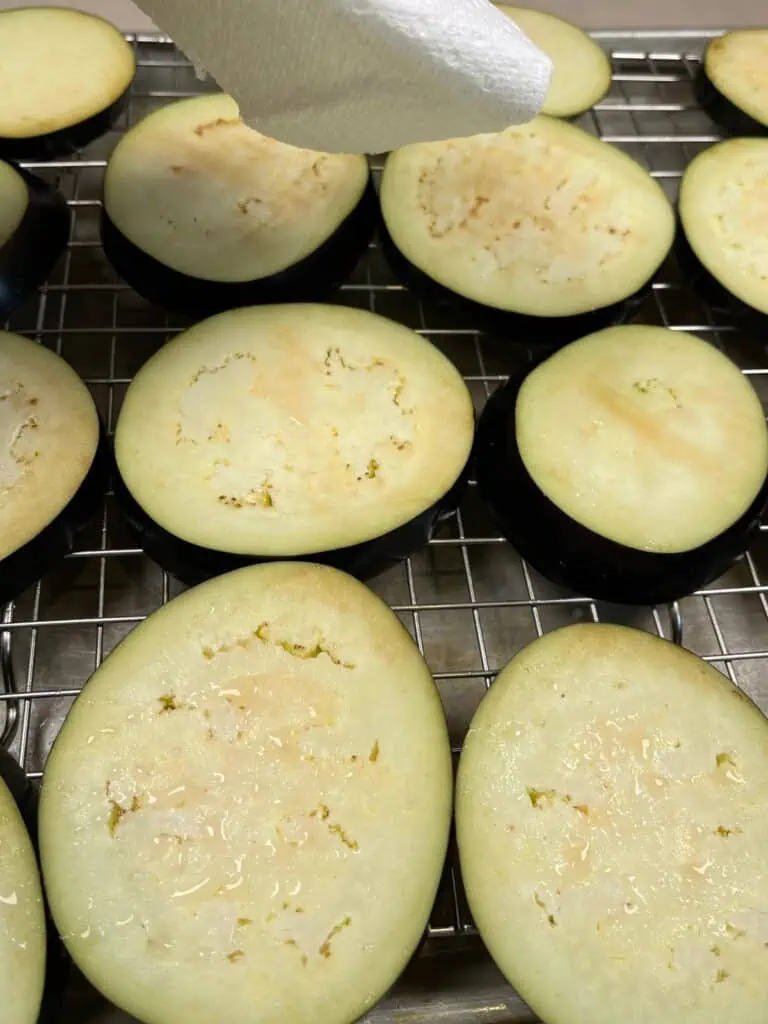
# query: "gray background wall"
{"points": [[588, 13]]}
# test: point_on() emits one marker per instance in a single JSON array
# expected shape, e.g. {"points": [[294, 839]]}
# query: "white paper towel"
{"points": [[362, 76]]}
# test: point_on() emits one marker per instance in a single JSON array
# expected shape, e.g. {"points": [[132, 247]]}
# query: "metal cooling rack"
{"points": [[468, 600]]}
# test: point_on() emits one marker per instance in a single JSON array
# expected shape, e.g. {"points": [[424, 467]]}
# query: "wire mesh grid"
{"points": [[468, 600]]}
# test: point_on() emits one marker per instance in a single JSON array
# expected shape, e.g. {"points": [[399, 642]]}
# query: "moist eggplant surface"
{"points": [[202, 213], [723, 203], [542, 226], [612, 821], [581, 70], [64, 79], [52, 466], [630, 466], [22, 912], [290, 431], [257, 785], [732, 83]]}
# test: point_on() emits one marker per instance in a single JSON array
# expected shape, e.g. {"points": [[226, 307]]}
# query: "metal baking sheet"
{"points": [[467, 599]]}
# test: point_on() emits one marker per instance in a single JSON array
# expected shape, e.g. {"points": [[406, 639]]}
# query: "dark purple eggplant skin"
{"points": [[26, 565], [572, 556], [31, 253], [709, 288], [192, 564], [66, 141], [313, 279], [726, 115], [57, 965], [534, 330]]}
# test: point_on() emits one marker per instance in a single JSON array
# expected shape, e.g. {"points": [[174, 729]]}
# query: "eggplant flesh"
{"points": [[723, 82], [65, 142], [534, 330], [292, 432], [54, 461], [725, 114], [79, 70], [30, 253], [541, 231], [282, 708], [595, 751], [722, 244], [192, 564], [202, 213], [710, 289], [314, 279], [29, 563], [570, 554], [581, 70], [33, 988]]}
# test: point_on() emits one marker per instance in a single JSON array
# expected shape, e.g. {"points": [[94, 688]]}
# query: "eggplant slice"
{"points": [[722, 210], [542, 231], [22, 911], [34, 230], [581, 70], [53, 461], [64, 80], [612, 820], [732, 83], [257, 785], [203, 214], [630, 466], [292, 431]]}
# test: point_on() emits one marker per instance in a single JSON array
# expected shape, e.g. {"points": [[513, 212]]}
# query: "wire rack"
{"points": [[468, 600]]}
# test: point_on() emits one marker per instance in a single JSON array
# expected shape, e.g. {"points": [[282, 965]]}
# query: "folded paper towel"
{"points": [[362, 76]]}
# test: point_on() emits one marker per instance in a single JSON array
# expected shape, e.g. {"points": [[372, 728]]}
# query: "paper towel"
{"points": [[362, 76]]}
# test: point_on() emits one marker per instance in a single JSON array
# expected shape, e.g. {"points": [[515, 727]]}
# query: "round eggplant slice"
{"points": [[292, 431], [581, 70], [22, 911], [542, 230], [34, 230], [630, 466], [53, 461], [732, 83], [203, 214], [722, 207], [257, 787], [64, 80], [23, 970], [612, 820]]}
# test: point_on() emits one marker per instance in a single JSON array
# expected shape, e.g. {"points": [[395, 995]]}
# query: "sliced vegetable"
{"points": [[543, 230], [581, 70], [292, 431], [34, 229], [52, 463], [203, 214], [64, 80], [630, 466], [722, 207], [22, 912], [612, 817], [237, 785], [732, 84]]}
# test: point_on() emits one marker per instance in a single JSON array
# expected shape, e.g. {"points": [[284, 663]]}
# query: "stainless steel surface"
{"points": [[467, 599]]}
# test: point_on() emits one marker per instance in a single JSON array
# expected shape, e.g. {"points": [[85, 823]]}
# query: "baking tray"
{"points": [[467, 599]]}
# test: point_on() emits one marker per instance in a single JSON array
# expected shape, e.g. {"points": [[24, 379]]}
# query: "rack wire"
{"points": [[468, 600]]}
